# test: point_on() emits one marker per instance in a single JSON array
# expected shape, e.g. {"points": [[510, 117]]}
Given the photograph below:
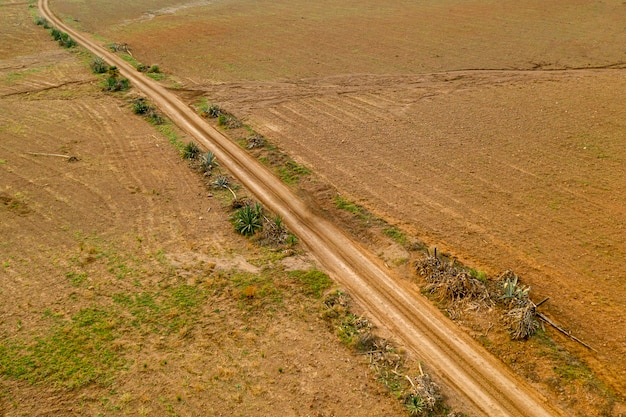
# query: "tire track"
{"points": [[483, 384]]}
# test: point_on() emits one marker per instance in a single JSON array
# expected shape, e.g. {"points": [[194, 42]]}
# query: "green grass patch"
{"points": [[157, 76], [76, 278], [396, 234], [344, 204], [162, 312], [314, 282], [261, 287], [131, 60], [479, 275], [168, 130], [73, 354], [290, 172]]}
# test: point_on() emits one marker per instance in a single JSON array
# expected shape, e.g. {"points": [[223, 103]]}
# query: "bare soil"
{"points": [[130, 221], [462, 139], [492, 131]]}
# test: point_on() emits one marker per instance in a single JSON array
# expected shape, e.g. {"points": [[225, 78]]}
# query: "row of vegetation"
{"points": [[67, 360], [446, 281], [63, 38]]}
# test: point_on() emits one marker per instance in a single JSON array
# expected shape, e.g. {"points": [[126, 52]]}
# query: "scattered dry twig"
{"points": [[68, 157]]}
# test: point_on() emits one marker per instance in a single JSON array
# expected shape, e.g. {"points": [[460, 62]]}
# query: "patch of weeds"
{"points": [[169, 131], [291, 171], [228, 121], [73, 354], [156, 76], [344, 204], [396, 234], [314, 282], [114, 82], [162, 312], [256, 287], [154, 69], [76, 278], [479, 275]]}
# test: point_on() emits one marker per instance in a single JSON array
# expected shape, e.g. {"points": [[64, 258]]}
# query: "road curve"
{"points": [[481, 382]]}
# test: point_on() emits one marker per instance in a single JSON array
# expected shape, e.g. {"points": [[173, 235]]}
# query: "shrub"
{"points": [[248, 219], [55, 33], [116, 84], [190, 150], [140, 106], [98, 66], [141, 67], [42, 21], [154, 117], [154, 69]]}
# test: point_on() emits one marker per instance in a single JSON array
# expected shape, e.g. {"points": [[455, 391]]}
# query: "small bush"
{"points": [[98, 66], [248, 219], [55, 33], [42, 21], [140, 106], [191, 150], [255, 141], [141, 67], [155, 118], [116, 84], [154, 69]]}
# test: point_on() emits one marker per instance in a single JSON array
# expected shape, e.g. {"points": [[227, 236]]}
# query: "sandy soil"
{"points": [[420, 113]]}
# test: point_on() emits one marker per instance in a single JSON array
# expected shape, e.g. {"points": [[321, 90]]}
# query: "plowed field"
{"points": [[493, 131]]}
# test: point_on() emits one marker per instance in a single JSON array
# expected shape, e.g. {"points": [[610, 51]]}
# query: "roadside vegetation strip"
{"points": [[483, 383]]}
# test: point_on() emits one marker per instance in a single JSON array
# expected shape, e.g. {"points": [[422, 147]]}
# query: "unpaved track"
{"points": [[483, 384]]}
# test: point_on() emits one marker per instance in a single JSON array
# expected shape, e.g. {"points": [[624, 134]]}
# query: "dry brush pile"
{"points": [[460, 288], [420, 395]]}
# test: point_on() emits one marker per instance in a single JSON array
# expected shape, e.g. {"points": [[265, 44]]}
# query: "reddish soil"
{"points": [[421, 113], [450, 136]]}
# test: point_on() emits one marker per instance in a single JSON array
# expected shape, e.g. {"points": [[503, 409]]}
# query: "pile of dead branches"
{"points": [[451, 283], [424, 395]]}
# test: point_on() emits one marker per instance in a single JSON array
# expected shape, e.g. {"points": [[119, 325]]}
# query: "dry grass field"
{"points": [[490, 130]]}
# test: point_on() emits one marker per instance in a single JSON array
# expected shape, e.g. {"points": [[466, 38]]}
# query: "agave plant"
{"points": [[512, 290], [415, 405], [248, 219], [208, 161], [190, 150]]}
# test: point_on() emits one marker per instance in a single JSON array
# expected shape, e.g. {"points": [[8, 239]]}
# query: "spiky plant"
{"points": [[190, 150], [511, 289], [221, 182], [141, 106], [208, 162], [248, 219], [415, 405], [214, 111]]}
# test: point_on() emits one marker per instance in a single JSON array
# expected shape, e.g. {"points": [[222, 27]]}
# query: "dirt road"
{"points": [[482, 384]]}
